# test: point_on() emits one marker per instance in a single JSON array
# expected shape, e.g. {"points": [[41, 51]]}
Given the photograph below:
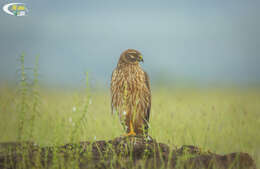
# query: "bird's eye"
{"points": [[132, 56]]}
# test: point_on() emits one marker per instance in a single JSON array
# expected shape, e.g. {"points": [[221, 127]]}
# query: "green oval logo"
{"points": [[15, 9]]}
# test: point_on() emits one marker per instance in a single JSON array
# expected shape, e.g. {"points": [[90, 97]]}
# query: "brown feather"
{"points": [[130, 92]]}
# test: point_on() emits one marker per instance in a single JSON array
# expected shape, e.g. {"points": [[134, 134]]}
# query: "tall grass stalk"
{"points": [[35, 97], [23, 105], [81, 122]]}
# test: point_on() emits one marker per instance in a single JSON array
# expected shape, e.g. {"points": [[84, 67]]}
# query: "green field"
{"points": [[219, 120]]}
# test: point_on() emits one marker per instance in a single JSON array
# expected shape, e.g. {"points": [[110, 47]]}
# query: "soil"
{"points": [[121, 152]]}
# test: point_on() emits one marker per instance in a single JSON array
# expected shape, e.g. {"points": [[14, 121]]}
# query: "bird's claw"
{"points": [[131, 133]]}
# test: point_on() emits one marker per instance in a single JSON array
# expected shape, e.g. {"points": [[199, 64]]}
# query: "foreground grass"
{"points": [[221, 120]]}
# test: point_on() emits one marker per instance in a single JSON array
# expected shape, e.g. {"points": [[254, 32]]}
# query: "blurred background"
{"points": [[202, 43], [202, 57]]}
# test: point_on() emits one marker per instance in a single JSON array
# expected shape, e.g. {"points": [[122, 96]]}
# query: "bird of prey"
{"points": [[131, 94]]}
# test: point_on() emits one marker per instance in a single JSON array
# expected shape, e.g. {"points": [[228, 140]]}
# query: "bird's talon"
{"points": [[131, 133]]}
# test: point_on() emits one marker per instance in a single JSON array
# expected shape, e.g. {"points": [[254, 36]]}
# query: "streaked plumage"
{"points": [[130, 92]]}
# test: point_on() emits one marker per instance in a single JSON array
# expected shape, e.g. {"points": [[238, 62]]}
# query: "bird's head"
{"points": [[131, 56]]}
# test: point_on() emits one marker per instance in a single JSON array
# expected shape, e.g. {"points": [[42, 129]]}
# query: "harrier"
{"points": [[130, 92]]}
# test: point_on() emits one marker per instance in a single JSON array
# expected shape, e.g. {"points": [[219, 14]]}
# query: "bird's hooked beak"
{"points": [[140, 58]]}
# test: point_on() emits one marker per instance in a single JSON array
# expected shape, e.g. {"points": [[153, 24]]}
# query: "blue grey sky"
{"points": [[203, 41]]}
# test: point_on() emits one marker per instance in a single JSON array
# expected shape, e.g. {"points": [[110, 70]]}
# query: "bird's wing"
{"points": [[147, 82], [111, 90]]}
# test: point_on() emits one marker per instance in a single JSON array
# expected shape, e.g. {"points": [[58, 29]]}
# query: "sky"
{"points": [[205, 42]]}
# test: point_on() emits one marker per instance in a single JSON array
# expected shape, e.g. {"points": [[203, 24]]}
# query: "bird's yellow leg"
{"points": [[132, 132]]}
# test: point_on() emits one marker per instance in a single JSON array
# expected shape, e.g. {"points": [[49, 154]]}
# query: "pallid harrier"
{"points": [[130, 92]]}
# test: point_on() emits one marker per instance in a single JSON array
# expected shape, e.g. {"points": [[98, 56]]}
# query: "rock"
{"points": [[121, 152]]}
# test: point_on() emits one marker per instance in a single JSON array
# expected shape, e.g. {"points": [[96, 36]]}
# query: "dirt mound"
{"points": [[121, 152]]}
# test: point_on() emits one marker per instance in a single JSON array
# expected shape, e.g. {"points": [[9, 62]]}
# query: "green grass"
{"points": [[221, 121]]}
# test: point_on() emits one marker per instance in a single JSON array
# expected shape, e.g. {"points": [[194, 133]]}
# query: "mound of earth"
{"points": [[121, 152]]}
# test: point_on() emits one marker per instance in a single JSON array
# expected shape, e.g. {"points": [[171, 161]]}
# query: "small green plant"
{"points": [[81, 122], [36, 99], [23, 106]]}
